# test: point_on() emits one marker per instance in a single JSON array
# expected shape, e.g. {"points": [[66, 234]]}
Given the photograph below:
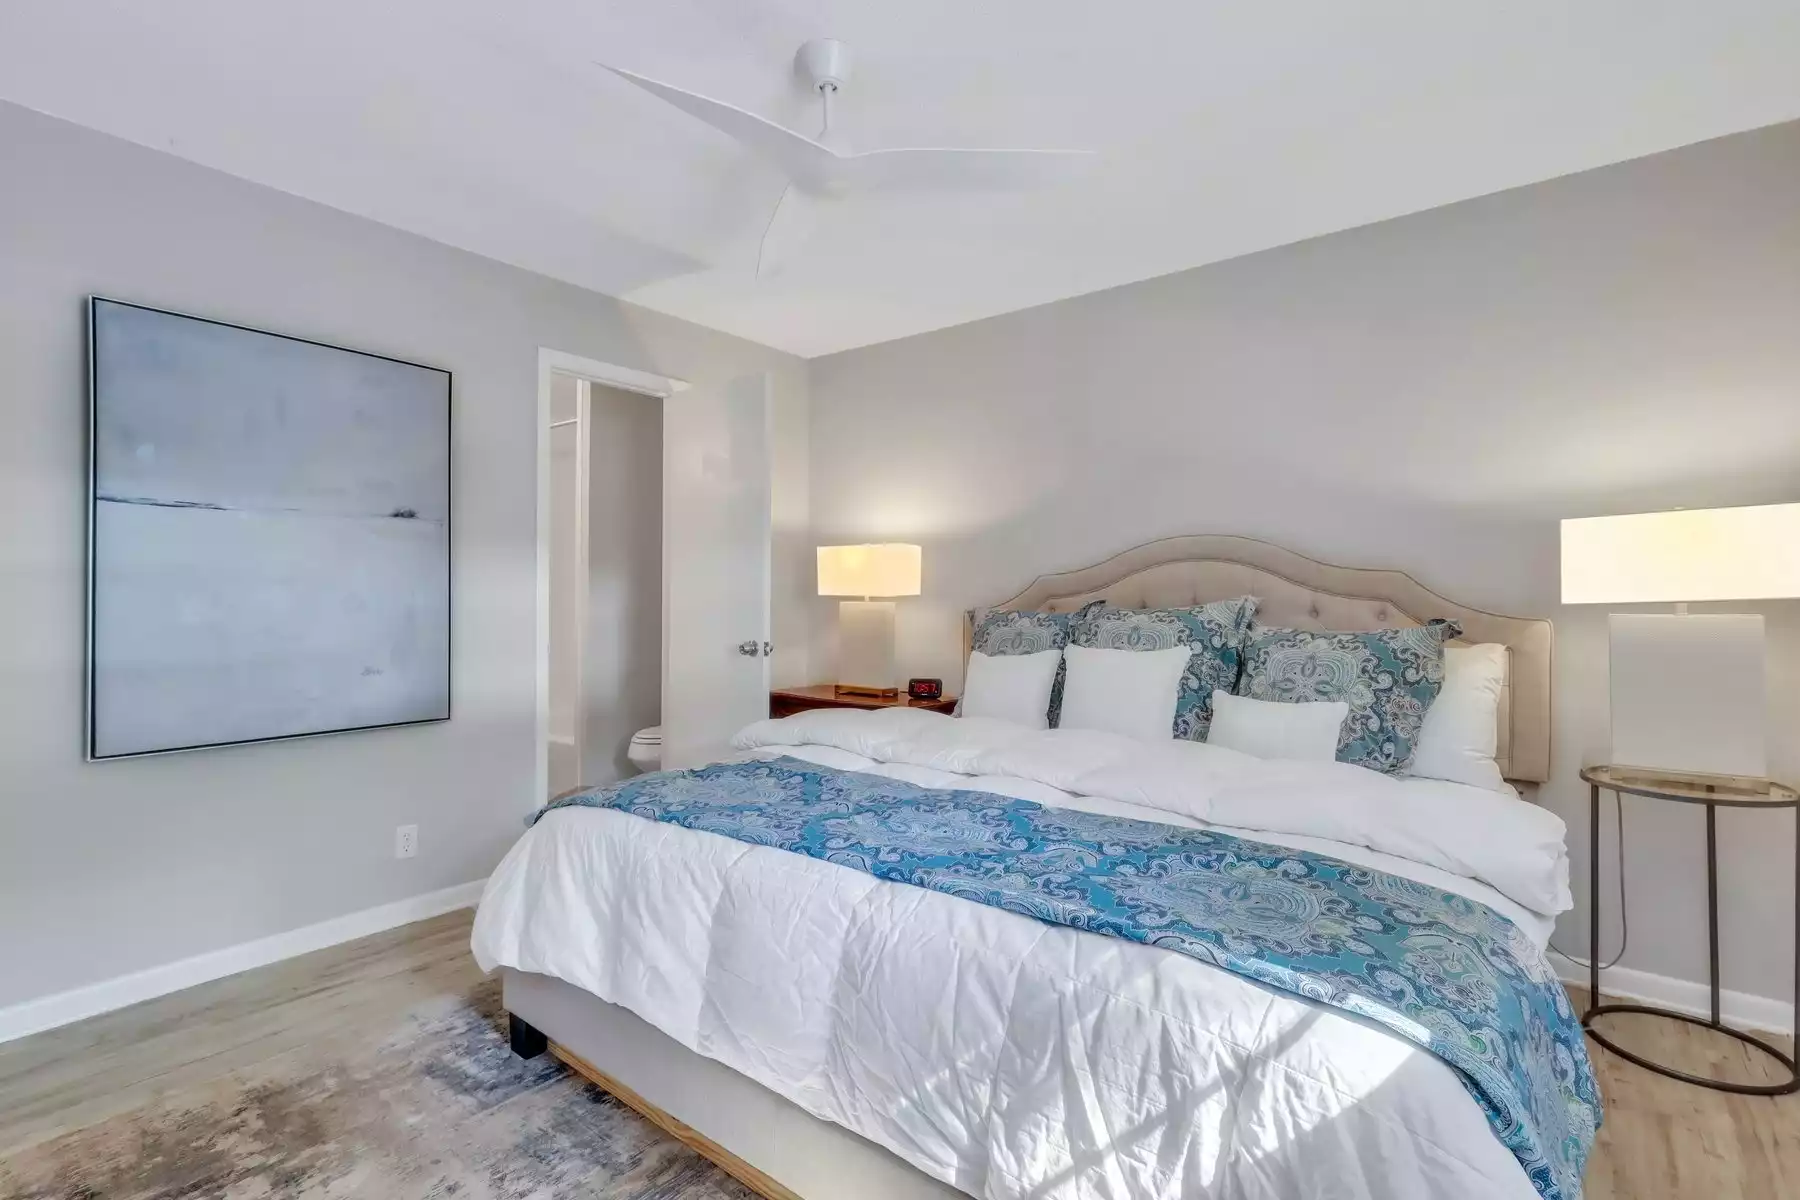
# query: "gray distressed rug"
{"points": [[438, 1109]]}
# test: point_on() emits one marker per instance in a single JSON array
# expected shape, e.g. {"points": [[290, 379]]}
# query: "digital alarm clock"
{"points": [[925, 689]]}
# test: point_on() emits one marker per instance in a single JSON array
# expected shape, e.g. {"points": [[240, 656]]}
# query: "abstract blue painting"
{"points": [[269, 536]]}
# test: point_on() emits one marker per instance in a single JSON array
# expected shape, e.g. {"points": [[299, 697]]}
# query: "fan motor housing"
{"points": [[825, 62]]}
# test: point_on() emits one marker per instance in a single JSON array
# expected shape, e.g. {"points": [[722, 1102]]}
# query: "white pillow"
{"points": [[1306, 731], [1129, 692], [1010, 687], [1461, 731]]}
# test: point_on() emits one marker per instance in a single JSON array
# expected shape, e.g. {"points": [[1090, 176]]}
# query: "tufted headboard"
{"points": [[1298, 592]]}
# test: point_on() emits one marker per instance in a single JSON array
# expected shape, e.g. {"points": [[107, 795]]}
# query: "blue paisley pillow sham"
{"points": [[1000, 633], [1216, 632], [1388, 677]]}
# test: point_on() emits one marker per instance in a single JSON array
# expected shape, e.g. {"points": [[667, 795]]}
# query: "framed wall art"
{"points": [[268, 536]]}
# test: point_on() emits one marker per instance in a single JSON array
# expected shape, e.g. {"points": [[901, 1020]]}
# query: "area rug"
{"points": [[437, 1108]]}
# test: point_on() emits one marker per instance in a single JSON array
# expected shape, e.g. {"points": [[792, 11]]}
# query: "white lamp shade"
{"points": [[1750, 553], [885, 569]]}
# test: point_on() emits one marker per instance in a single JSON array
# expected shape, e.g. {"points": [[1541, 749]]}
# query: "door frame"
{"points": [[629, 379]]}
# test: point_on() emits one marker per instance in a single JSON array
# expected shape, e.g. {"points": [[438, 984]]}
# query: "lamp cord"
{"points": [[1624, 915]]}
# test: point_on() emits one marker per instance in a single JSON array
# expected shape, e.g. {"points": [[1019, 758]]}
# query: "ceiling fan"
{"points": [[818, 174]]}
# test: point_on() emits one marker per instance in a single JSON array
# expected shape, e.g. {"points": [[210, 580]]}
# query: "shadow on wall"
{"points": [[86, 212], [1432, 393]]}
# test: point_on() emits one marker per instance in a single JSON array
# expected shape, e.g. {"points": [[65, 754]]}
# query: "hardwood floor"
{"points": [[71, 1077], [1661, 1140]]}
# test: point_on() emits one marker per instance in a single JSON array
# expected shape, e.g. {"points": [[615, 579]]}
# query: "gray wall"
{"points": [[622, 674], [111, 868], [1430, 394]]}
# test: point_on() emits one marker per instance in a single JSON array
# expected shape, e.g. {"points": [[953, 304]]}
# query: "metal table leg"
{"points": [[1597, 1009], [1593, 898], [1712, 905]]}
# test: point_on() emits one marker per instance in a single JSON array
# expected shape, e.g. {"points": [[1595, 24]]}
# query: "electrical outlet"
{"points": [[406, 841]]}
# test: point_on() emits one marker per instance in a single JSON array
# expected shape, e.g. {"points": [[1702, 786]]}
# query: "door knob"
{"points": [[749, 649]]}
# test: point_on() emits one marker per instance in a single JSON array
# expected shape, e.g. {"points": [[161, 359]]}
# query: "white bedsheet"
{"points": [[1010, 1058]]}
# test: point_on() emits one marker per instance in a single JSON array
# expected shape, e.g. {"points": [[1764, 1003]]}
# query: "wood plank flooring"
{"points": [[1662, 1139], [71, 1077], [1666, 1139]]}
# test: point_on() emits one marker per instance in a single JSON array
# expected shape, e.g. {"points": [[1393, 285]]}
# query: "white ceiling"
{"points": [[1222, 128]]}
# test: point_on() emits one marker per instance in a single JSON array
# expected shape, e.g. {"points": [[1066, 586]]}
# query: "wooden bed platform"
{"points": [[757, 1181]]}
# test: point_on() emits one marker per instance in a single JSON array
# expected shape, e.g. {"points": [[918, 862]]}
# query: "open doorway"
{"points": [[679, 527], [602, 537]]}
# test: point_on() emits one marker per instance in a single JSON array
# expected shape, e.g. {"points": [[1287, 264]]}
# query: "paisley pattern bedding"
{"points": [[1216, 632], [1005, 632], [1388, 677], [1436, 969]]}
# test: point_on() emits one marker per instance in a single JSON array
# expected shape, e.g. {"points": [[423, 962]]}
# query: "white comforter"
{"points": [[1015, 1059]]}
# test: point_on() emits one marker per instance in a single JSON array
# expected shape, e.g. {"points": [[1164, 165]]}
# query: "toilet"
{"points": [[645, 751]]}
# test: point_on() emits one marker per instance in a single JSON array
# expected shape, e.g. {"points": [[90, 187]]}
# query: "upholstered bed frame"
{"points": [[1300, 593], [782, 1152]]}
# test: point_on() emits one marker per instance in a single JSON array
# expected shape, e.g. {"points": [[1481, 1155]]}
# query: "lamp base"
{"points": [[866, 648], [1688, 696]]}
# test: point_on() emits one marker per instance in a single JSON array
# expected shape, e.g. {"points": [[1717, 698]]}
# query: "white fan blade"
{"points": [[955, 170], [805, 161], [790, 228]]}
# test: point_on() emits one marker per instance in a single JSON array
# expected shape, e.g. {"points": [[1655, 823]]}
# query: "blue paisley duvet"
{"points": [[1432, 967]]}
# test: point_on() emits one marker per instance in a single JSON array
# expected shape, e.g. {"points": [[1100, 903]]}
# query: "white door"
{"points": [[716, 529], [568, 577]]}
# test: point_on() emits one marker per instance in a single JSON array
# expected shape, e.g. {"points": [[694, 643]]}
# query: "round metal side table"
{"points": [[1713, 793]]}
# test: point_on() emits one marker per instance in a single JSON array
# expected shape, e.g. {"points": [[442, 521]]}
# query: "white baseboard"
{"points": [[76, 1004], [1736, 1008]]}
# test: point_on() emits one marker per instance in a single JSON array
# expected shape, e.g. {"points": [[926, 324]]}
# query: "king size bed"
{"points": [[900, 955]]}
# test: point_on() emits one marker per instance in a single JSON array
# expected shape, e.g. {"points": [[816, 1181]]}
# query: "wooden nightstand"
{"points": [[785, 702]]}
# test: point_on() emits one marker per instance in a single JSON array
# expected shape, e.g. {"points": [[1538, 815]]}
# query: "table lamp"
{"points": [[866, 626], [1688, 695]]}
